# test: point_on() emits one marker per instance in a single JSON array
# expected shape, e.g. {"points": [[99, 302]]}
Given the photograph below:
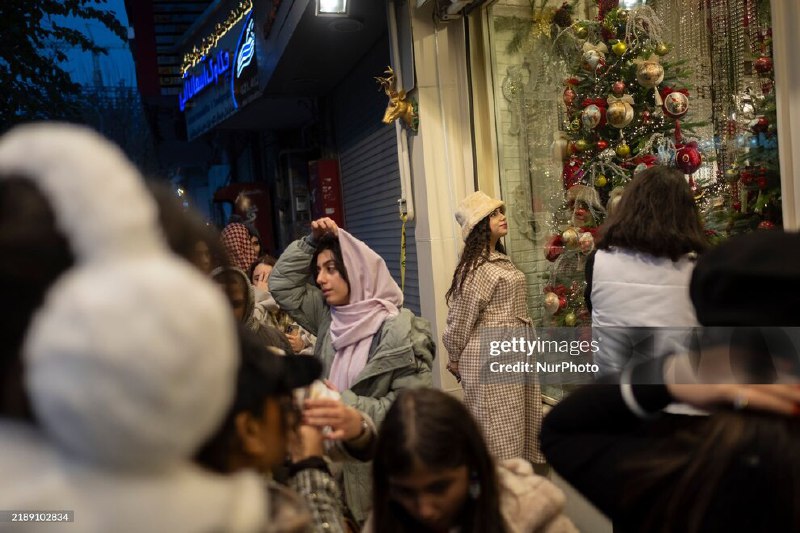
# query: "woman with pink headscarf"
{"points": [[371, 347]]}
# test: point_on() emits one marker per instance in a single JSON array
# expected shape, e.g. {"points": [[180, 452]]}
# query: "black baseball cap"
{"points": [[265, 372], [750, 280]]}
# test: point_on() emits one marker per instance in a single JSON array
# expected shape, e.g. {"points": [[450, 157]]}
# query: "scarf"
{"points": [[236, 240], [374, 297]]}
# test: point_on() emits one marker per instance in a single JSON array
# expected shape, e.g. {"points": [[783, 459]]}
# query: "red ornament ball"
{"points": [[602, 145], [618, 88], [766, 224], [762, 182], [688, 158], [763, 64], [759, 125], [737, 206], [645, 117], [747, 177]]}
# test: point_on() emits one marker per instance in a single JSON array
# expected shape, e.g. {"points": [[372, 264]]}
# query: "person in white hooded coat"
{"points": [[118, 359]]}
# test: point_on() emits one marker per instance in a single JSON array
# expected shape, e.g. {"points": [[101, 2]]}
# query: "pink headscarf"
{"points": [[374, 297], [236, 240]]}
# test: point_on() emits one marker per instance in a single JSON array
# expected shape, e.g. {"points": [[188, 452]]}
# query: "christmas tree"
{"points": [[624, 104]]}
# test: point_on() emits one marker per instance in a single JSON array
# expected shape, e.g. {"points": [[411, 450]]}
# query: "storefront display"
{"points": [[587, 93]]}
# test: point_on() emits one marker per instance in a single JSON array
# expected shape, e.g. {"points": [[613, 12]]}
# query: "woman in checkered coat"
{"points": [[488, 299]]}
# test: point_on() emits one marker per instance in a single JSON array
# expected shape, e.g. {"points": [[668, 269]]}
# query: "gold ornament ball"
{"points": [[623, 151], [619, 48], [619, 114], [586, 242], [650, 74], [581, 32], [570, 319], [601, 181], [581, 145], [622, 15], [662, 49], [570, 237], [551, 303]]}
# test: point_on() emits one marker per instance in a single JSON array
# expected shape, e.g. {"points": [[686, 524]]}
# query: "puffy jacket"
{"points": [[632, 290]]}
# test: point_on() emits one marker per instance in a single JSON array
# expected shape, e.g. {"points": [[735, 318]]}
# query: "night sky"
{"points": [[117, 66]]}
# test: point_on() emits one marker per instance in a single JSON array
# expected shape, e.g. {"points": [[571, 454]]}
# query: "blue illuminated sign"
{"points": [[211, 69], [248, 48], [245, 51]]}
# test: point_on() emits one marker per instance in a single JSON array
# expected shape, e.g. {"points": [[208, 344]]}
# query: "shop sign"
{"points": [[211, 69], [224, 80], [244, 81]]}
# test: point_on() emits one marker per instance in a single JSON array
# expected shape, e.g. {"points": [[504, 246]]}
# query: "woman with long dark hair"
{"points": [[639, 275], [433, 472], [487, 299]]}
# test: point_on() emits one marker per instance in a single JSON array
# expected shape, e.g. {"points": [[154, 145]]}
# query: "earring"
{"points": [[474, 486]]}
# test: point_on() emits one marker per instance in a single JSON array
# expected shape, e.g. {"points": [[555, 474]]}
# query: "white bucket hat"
{"points": [[474, 208]]}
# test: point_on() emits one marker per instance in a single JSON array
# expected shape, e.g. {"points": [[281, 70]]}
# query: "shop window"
{"points": [[718, 51]]}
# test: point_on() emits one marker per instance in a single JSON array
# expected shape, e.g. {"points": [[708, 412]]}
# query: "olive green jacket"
{"points": [[401, 355]]}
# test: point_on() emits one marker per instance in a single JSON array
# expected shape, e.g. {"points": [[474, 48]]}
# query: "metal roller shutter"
{"points": [[369, 169]]}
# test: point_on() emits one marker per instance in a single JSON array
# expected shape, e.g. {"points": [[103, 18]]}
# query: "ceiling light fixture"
{"points": [[332, 8]]}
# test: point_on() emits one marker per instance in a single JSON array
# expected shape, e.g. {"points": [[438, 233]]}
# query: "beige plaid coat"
{"points": [[510, 414]]}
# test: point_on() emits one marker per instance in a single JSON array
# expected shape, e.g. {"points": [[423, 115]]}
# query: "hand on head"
{"points": [[324, 225]]}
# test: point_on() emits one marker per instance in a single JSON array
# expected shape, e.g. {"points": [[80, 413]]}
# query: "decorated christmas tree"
{"points": [[624, 106]]}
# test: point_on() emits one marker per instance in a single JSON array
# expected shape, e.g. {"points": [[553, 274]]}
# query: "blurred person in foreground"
{"points": [[117, 358], [736, 468]]}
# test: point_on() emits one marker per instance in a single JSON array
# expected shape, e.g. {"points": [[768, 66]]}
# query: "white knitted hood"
{"points": [[130, 361]]}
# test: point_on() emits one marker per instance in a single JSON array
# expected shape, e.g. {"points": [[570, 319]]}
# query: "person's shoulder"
{"points": [[288, 513], [405, 329], [397, 328]]}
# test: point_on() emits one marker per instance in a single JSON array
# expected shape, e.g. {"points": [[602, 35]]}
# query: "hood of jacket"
{"points": [[249, 310]]}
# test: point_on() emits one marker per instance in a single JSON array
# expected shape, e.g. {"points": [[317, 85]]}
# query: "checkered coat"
{"points": [[510, 414]]}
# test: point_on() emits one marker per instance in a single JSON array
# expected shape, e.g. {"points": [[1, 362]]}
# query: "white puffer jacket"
{"points": [[636, 290]]}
